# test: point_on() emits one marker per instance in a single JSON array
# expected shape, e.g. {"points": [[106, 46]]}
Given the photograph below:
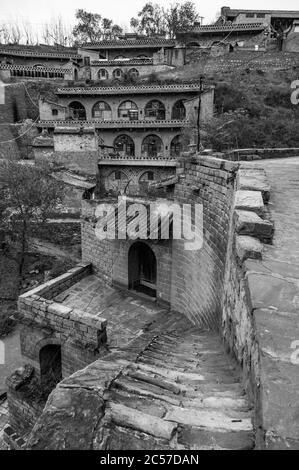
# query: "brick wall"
{"points": [[197, 276]]}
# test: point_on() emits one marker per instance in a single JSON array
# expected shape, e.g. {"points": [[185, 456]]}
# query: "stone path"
{"points": [[182, 392], [126, 316], [172, 387]]}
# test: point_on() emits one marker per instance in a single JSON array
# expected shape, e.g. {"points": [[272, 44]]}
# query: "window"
{"points": [[152, 145], [133, 73], [147, 176], [249, 15], [117, 73], [103, 74], [128, 110], [77, 111], [261, 15], [155, 109], [178, 110], [124, 144], [176, 146], [101, 110], [86, 61], [117, 175], [54, 112]]}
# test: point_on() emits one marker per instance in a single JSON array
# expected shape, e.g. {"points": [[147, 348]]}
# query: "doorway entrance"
{"points": [[142, 266], [50, 367]]}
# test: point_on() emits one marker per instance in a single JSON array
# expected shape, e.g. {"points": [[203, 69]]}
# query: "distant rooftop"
{"points": [[274, 13], [228, 27], [130, 42], [39, 50]]}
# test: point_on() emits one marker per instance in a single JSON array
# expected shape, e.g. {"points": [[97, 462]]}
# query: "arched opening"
{"points": [[193, 44], [178, 110], [117, 74], [147, 176], [128, 110], [176, 146], [103, 74], [124, 144], [142, 269], [101, 110], [50, 366], [77, 111], [152, 145], [133, 73], [155, 110]]}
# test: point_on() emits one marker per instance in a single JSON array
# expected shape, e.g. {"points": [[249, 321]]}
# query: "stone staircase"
{"points": [[182, 392]]}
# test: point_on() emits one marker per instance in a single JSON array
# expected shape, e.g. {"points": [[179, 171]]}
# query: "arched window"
{"points": [[155, 109], [178, 110], [152, 145], [124, 144], [147, 176], [101, 110], [128, 110], [133, 73], [103, 74], [117, 73], [77, 111], [118, 175], [176, 146]]}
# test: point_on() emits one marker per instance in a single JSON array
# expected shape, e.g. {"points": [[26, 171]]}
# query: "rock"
{"points": [[248, 247]]}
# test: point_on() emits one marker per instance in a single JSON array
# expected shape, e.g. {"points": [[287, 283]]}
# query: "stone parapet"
{"points": [[37, 308]]}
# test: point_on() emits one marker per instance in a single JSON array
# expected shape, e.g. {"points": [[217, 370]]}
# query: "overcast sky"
{"points": [[40, 11]]}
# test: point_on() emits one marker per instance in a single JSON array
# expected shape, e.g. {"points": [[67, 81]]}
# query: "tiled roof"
{"points": [[34, 69], [115, 123], [130, 43], [273, 13], [37, 53], [211, 28], [104, 63], [123, 90]]}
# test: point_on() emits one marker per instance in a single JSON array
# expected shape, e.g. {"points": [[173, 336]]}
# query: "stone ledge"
{"points": [[248, 247], [249, 201], [249, 223]]}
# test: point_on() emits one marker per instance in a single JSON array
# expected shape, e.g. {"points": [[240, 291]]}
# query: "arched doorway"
{"points": [[178, 111], [77, 111], [142, 269], [154, 110], [152, 145], [124, 145], [50, 366]]}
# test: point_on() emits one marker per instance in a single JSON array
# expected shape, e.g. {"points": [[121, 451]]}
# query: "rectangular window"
{"points": [[249, 15], [261, 15], [54, 112]]}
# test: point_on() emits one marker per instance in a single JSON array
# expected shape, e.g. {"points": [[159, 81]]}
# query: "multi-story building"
{"points": [[38, 62], [134, 134], [247, 29], [130, 55]]}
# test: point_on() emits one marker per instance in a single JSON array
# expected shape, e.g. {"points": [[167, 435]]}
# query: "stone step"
{"points": [[131, 418]]}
